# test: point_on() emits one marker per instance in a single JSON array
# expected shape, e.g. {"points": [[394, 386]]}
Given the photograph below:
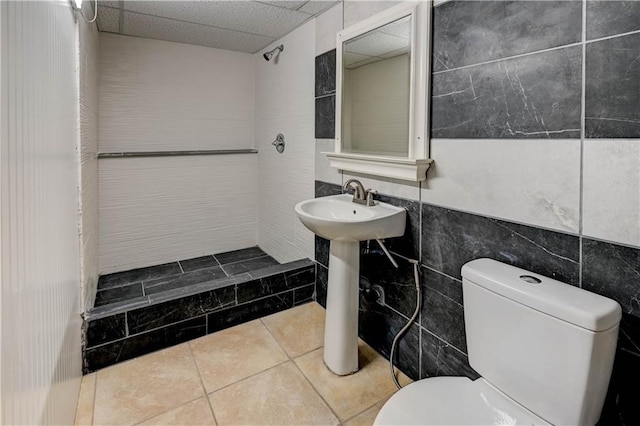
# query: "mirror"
{"points": [[376, 90], [382, 87]]}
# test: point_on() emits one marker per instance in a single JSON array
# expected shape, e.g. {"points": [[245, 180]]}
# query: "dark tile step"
{"points": [[138, 275], [183, 280], [119, 287], [124, 330], [296, 274], [239, 255], [118, 294], [197, 263], [249, 265]]}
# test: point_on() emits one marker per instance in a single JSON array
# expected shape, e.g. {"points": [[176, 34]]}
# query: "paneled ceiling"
{"points": [[240, 25]]}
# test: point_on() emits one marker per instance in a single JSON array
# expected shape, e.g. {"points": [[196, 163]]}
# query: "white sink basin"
{"points": [[345, 223], [338, 218]]}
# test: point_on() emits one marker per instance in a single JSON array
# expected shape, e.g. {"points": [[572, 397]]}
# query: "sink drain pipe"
{"points": [[416, 278]]}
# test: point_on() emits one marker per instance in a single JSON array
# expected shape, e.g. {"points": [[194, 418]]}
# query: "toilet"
{"points": [[544, 350]]}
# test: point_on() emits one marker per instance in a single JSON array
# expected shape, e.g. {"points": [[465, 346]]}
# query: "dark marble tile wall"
{"points": [[614, 271], [612, 93], [611, 17], [451, 238], [325, 117], [534, 96], [436, 344], [482, 88], [513, 69], [117, 332], [325, 85], [471, 32], [326, 73]]}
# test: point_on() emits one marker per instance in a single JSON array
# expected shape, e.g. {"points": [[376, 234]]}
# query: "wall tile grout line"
{"points": [[326, 95], [522, 55], [420, 272], [582, 137], [579, 43], [595, 40]]}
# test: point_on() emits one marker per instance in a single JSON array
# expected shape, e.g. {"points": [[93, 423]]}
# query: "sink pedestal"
{"points": [[341, 326], [345, 223]]}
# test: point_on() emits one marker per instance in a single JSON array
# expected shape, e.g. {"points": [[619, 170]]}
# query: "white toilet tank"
{"points": [[546, 344]]}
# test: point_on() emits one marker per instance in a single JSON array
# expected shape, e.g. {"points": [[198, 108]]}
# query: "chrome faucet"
{"points": [[360, 195]]}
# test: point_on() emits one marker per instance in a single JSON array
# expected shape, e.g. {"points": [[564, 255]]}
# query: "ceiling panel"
{"points": [[140, 25], [247, 16], [316, 7], [110, 3], [285, 3], [241, 25], [108, 19]]}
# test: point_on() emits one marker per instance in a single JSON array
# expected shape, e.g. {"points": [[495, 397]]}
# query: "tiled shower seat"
{"points": [[143, 310]]}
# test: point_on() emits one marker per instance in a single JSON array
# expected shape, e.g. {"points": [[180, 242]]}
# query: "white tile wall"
{"points": [[357, 10], [39, 249], [529, 181], [285, 104], [611, 202], [324, 172], [327, 25], [162, 209], [89, 71], [157, 95]]}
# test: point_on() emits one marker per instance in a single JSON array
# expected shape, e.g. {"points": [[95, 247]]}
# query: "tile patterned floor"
{"points": [[264, 372]]}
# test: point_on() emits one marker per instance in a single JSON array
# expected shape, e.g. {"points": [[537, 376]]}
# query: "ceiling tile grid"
{"points": [[245, 26]]}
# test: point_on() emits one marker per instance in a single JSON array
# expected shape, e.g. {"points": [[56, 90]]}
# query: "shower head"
{"points": [[268, 55]]}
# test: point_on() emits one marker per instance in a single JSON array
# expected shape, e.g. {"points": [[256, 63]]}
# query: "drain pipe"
{"points": [[416, 278]]}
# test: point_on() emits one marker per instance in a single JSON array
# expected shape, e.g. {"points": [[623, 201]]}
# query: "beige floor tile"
{"points": [[84, 410], [145, 387], [279, 396], [298, 330], [350, 395], [227, 356], [193, 413], [366, 418]]}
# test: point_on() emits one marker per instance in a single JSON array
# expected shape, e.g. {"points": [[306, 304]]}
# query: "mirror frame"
{"points": [[414, 166]]}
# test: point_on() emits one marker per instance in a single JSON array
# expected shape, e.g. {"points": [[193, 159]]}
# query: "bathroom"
{"points": [[150, 137]]}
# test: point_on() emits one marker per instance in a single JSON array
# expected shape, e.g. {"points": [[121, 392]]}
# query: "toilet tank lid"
{"points": [[563, 301]]}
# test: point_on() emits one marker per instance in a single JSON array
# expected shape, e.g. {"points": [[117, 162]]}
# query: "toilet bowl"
{"points": [[453, 401], [544, 351]]}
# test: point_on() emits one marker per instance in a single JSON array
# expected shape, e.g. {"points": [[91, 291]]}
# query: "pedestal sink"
{"points": [[345, 223]]}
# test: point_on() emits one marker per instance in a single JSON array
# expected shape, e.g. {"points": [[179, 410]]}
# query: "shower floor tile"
{"points": [[122, 286], [281, 382]]}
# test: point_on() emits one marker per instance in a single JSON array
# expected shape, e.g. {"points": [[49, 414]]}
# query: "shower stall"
{"points": [[195, 227]]}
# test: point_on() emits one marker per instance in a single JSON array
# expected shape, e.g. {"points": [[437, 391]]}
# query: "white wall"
{"points": [[162, 96], [162, 209], [89, 71], [39, 250], [285, 104]]}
